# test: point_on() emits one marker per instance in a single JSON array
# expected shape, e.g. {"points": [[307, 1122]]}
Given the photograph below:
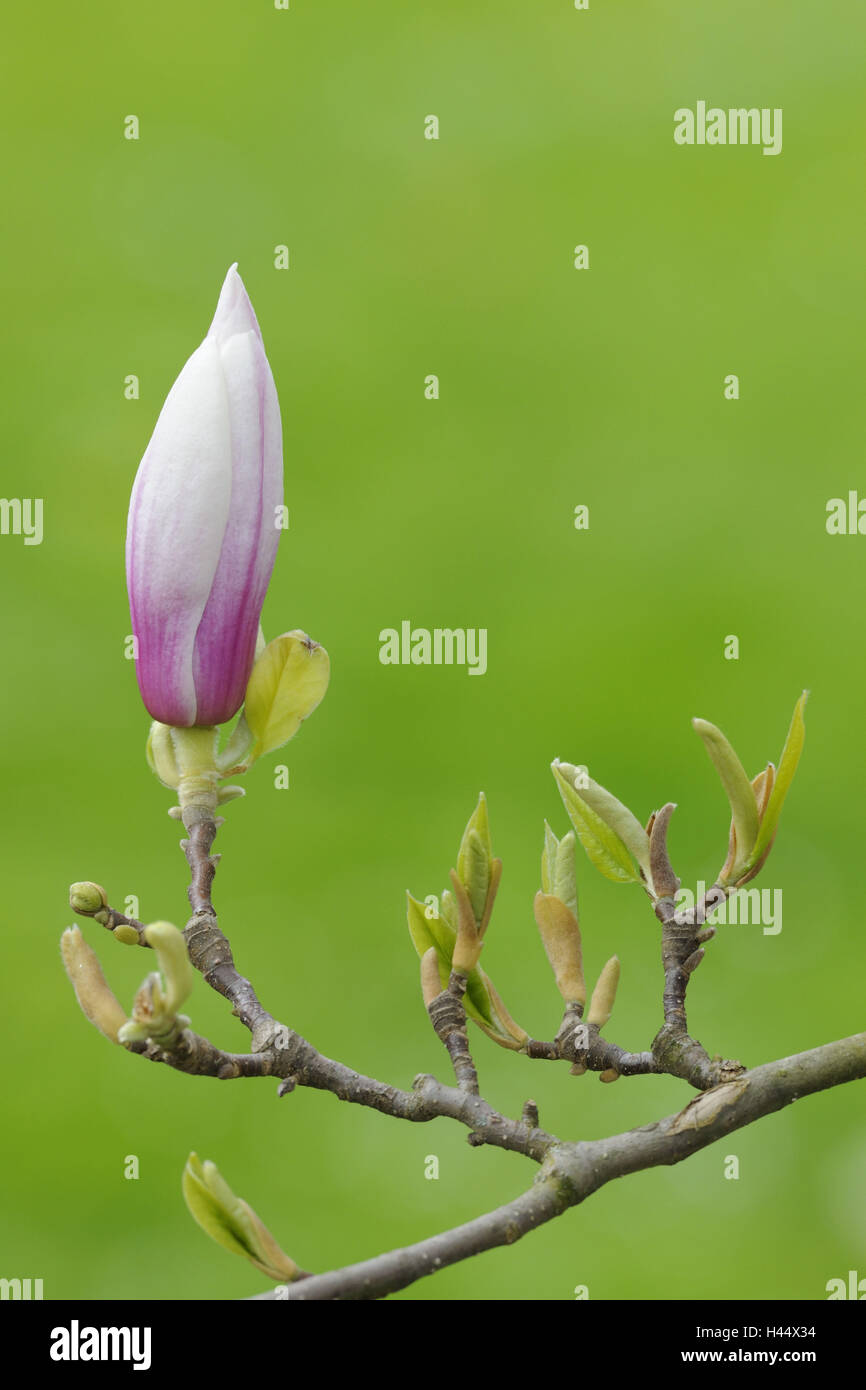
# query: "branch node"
{"points": [[529, 1114]]}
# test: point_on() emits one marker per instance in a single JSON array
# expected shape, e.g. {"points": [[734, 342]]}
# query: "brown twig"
{"points": [[572, 1172], [569, 1172], [448, 1016]]}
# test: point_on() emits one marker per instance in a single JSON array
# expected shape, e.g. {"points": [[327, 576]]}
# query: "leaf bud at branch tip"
{"points": [[94, 996], [560, 935], [477, 869], [665, 883], [604, 994]]}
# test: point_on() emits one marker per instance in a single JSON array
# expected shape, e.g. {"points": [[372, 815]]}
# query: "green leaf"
{"points": [[499, 1026], [784, 777], [620, 819], [208, 1209], [558, 870], [548, 859], [473, 870], [565, 873], [603, 845], [232, 759], [174, 961], [287, 682], [739, 791], [435, 931], [429, 931], [474, 856], [230, 1221]]}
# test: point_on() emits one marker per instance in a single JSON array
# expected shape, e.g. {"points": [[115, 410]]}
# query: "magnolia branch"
{"points": [[729, 1095], [572, 1172]]}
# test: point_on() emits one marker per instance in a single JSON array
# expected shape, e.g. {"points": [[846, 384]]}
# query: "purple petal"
{"points": [[226, 638], [202, 534], [177, 521]]}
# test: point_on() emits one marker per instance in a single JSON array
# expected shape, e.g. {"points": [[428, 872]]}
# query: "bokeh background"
{"points": [[603, 387]]}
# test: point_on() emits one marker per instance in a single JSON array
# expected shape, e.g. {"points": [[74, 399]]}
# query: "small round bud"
{"points": [[87, 898]]}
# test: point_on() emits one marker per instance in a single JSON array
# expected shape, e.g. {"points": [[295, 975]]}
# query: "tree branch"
{"points": [[397, 1269], [448, 1016], [572, 1172], [729, 1098]]}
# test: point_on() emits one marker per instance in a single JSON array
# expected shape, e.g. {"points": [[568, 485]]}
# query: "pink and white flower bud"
{"points": [[202, 533]]}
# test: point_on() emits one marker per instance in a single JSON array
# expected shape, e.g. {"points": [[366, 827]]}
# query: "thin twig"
{"points": [[573, 1172]]}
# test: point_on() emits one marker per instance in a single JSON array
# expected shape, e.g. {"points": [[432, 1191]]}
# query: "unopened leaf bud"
{"points": [[560, 935], [431, 984], [604, 994], [95, 998]]}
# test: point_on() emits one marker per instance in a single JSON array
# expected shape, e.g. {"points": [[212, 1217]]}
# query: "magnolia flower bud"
{"points": [[202, 535], [87, 898]]}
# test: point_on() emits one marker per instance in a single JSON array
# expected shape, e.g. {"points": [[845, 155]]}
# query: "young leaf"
{"points": [[287, 682], [602, 843], [558, 871], [474, 858], [429, 931], [501, 1027], [548, 859], [784, 777], [435, 931], [621, 821], [738, 788], [231, 1222], [209, 1208]]}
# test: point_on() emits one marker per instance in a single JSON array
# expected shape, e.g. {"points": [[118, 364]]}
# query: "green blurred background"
{"points": [[604, 387]]}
